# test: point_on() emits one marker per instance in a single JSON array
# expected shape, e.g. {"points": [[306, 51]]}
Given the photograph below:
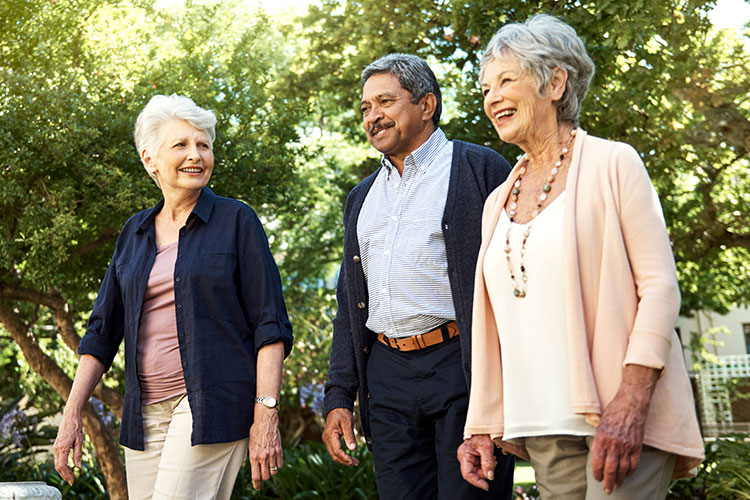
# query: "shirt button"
{"points": [[177, 279], [361, 305], [184, 363], [387, 252], [368, 395], [393, 217], [445, 226], [366, 349], [368, 441], [383, 290], [179, 306], [356, 258], [180, 334]]}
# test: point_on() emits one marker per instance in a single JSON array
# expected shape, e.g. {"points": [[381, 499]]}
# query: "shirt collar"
{"points": [[424, 154], [202, 209]]}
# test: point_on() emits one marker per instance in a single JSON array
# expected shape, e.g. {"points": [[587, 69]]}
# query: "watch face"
{"points": [[268, 401]]}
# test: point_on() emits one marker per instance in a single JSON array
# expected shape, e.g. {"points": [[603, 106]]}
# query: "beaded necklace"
{"points": [[519, 289]]}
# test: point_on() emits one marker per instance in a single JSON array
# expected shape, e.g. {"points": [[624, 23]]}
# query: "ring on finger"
{"points": [[273, 468]]}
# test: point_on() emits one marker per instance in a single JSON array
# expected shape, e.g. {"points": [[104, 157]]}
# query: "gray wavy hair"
{"points": [[414, 75], [541, 44], [161, 109]]}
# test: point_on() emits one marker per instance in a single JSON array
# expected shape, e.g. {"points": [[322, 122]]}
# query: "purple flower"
{"points": [[312, 395], [11, 428], [107, 417]]}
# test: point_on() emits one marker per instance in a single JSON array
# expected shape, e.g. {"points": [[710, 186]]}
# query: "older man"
{"points": [[401, 338]]}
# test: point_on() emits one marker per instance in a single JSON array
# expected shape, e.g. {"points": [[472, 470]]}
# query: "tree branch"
{"points": [[66, 329], [107, 235]]}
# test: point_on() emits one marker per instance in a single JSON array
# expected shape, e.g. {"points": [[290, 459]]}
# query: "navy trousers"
{"points": [[418, 402]]}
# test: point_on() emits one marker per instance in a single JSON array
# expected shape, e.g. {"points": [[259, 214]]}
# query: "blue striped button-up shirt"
{"points": [[401, 242]]}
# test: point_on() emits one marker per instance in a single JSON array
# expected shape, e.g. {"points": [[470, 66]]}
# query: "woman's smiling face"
{"points": [[184, 160], [512, 101]]}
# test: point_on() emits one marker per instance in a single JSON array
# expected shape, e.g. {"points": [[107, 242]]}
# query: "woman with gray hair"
{"points": [[576, 365], [195, 293]]}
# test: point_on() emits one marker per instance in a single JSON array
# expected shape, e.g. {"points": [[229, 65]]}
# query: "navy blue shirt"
{"points": [[228, 304]]}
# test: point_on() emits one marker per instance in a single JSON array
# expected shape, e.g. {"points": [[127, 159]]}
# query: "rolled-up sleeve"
{"points": [[106, 324], [260, 287]]}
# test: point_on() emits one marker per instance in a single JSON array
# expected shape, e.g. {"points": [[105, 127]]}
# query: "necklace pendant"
{"points": [[516, 292]]}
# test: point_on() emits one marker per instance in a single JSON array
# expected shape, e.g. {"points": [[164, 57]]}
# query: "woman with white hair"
{"points": [[575, 362], [193, 289]]}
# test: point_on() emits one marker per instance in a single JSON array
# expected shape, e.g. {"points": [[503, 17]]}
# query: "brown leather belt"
{"points": [[437, 336]]}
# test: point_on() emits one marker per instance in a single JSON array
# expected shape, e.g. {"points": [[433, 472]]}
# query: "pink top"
{"points": [[158, 355], [621, 302]]}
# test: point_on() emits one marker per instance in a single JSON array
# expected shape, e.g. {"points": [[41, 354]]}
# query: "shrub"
{"points": [[723, 474], [309, 473]]}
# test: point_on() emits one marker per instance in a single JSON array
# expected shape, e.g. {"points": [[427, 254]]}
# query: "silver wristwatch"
{"points": [[269, 401]]}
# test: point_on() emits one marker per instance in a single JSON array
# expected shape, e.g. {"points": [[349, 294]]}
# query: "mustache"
{"points": [[378, 126]]}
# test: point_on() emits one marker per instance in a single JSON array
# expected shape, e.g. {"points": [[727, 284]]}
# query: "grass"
{"points": [[523, 474]]}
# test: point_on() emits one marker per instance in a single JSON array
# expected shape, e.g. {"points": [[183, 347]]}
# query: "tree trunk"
{"points": [[67, 332], [105, 447]]}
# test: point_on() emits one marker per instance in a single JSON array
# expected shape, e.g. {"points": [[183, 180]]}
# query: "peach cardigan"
{"points": [[622, 302]]}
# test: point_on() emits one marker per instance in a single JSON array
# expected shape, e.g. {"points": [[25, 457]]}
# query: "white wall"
{"points": [[733, 343]]}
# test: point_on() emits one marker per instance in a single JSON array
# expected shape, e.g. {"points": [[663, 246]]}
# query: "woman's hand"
{"points": [[477, 458], [70, 431], [69, 437], [266, 455], [617, 445]]}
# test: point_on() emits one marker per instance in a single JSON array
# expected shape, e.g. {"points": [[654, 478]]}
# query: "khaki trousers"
{"points": [[170, 468], [563, 471]]}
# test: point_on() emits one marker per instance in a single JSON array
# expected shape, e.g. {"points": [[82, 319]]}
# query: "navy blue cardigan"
{"points": [[475, 172]]}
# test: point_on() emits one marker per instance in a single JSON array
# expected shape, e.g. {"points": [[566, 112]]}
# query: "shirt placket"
{"points": [[399, 188], [179, 299]]}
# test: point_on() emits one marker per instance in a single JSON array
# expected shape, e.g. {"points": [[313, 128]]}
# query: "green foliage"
{"points": [[25, 444], [21, 437], [73, 177], [698, 344], [665, 83], [75, 74], [73, 77], [723, 474], [309, 473]]}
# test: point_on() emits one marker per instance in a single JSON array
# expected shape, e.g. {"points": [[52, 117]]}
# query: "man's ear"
{"points": [[429, 105]]}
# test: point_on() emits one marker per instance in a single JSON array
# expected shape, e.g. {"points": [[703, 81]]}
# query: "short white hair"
{"points": [[161, 109], [540, 44]]}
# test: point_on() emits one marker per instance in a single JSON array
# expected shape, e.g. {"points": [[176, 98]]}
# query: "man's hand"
{"points": [[477, 458], [69, 437], [617, 445], [265, 453], [340, 423]]}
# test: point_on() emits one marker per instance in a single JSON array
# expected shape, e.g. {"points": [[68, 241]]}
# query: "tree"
{"points": [[665, 83], [69, 97]]}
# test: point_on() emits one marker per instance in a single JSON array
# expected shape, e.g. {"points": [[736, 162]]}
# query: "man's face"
{"points": [[394, 125]]}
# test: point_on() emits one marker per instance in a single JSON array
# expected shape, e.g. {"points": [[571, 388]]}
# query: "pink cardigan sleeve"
{"points": [[651, 261]]}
